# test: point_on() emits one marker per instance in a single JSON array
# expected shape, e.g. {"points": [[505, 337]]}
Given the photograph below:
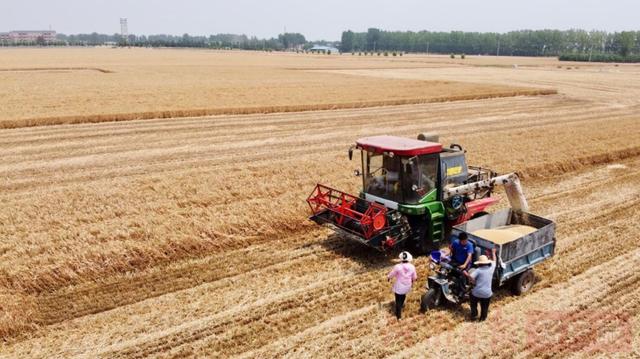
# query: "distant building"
{"points": [[323, 49], [28, 36]]}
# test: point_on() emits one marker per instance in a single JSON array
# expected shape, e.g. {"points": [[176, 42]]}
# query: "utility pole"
{"points": [[498, 50], [427, 48]]}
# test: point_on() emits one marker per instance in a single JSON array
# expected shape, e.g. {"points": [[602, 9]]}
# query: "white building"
{"points": [[28, 36], [323, 49]]}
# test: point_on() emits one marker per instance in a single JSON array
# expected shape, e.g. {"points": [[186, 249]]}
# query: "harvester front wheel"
{"points": [[430, 299], [523, 282], [422, 242]]}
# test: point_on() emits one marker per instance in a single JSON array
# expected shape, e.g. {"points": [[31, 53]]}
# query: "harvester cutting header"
{"points": [[413, 192]]}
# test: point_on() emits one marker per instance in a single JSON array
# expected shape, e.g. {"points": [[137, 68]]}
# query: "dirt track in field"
{"points": [[178, 238]]}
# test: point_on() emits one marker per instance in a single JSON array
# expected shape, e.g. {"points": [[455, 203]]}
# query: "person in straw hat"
{"points": [[405, 275], [481, 279]]}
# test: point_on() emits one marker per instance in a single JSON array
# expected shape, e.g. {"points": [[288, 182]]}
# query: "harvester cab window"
{"points": [[382, 176], [428, 173], [419, 177], [454, 169], [400, 179], [410, 179]]}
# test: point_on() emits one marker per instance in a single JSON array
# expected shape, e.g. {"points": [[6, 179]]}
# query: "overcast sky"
{"points": [[321, 19]]}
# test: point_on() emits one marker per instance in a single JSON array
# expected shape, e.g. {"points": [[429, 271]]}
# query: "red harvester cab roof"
{"points": [[400, 146]]}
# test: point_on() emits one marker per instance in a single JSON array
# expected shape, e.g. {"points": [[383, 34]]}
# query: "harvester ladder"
{"points": [[437, 223]]}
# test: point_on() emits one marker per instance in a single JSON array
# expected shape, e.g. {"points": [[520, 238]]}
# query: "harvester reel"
{"points": [[379, 221]]}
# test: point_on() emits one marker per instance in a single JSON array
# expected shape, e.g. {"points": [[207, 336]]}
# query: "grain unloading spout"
{"points": [[516, 197], [511, 183]]}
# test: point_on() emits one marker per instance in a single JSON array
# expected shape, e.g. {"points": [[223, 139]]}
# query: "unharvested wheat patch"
{"points": [[55, 69]]}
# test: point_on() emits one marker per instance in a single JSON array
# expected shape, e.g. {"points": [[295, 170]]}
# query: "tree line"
{"points": [[579, 45], [284, 41], [514, 43]]}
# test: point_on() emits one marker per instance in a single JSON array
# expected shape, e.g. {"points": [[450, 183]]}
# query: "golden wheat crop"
{"points": [[188, 237], [98, 85]]}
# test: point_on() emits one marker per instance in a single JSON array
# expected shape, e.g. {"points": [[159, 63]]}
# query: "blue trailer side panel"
{"points": [[521, 254], [521, 264]]}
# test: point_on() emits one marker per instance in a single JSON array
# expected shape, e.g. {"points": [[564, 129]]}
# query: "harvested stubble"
{"points": [[594, 314], [188, 238]]}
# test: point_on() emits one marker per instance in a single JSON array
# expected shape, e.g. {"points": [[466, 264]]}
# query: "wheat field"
{"points": [[176, 237], [65, 86]]}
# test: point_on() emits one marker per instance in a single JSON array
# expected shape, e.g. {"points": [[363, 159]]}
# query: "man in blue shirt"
{"points": [[461, 251]]}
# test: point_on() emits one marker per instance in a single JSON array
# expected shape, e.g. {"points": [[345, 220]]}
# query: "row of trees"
{"points": [[282, 42], [599, 57], [517, 43], [592, 45]]}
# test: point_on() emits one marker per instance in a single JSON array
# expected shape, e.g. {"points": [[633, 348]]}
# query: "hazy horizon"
{"points": [[322, 20]]}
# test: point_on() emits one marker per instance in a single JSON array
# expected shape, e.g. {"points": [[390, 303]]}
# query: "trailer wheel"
{"points": [[523, 282], [430, 300]]}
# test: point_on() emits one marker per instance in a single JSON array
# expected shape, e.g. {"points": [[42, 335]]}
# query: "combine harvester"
{"points": [[416, 193]]}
